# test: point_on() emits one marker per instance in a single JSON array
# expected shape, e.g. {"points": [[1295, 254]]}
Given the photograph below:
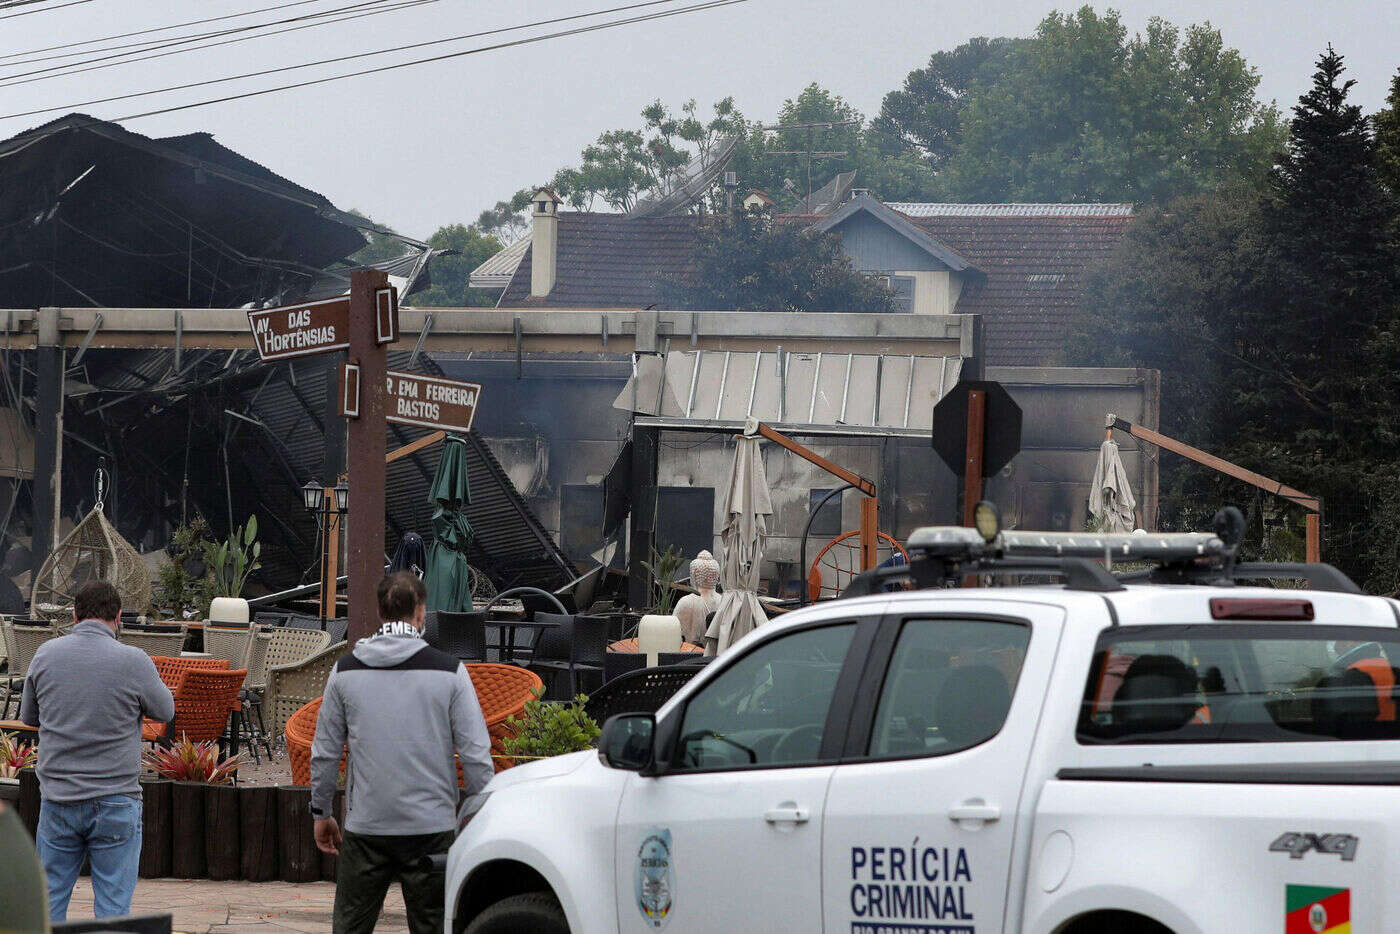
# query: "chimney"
{"points": [[544, 244]]}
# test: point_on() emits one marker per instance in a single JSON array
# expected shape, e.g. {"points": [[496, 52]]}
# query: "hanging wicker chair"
{"points": [[92, 551]]}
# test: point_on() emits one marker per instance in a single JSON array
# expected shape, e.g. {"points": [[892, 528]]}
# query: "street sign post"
{"points": [[976, 430], [363, 322], [301, 330]]}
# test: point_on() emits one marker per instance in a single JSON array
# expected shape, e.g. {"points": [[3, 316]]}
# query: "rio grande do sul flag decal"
{"points": [[1316, 909]]}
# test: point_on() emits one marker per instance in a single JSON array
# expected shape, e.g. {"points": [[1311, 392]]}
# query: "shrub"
{"points": [[550, 729]]}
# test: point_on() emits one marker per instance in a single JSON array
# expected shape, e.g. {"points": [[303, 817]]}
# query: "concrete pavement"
{"points": [[200, 906]]}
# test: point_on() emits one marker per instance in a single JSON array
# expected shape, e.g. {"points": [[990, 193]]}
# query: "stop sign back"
{"points": [[1003, 427]]}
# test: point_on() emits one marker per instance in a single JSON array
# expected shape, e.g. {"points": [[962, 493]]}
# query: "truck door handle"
{"points": [[974, 810], [787, 814]]}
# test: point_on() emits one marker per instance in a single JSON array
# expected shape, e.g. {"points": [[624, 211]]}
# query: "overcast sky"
{"points": [[434, 144]]}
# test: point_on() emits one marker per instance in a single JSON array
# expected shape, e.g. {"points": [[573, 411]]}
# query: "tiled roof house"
{"points": [[1020, 266]]}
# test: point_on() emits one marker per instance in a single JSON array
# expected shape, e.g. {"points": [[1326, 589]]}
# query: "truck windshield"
{"points": [[1222, 683]]}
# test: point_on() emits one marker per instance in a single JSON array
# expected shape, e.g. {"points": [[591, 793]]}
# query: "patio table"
{"points": [[31, 733], [510, 626]]}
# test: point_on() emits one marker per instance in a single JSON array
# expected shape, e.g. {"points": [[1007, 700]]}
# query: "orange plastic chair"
{"points": [[203, 700], [502, 691]]}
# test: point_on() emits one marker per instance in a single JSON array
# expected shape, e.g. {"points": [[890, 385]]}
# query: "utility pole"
{"points": [[811, 152]]}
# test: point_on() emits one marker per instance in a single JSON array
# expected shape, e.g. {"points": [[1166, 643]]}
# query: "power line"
{"points": [[145, 32], [145, 44], [580, 30], [342, 58], [74, 68], [44, 10]]}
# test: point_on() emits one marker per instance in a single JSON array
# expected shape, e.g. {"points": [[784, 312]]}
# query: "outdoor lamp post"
{"points": [[329, 504]]}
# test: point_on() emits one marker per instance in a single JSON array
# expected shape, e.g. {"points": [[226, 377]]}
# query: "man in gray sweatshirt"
{"points": [[401, 707], [87, 693]]}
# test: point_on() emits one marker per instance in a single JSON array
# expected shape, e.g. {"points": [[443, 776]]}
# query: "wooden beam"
{"points": [[413, 447], [1314, 538], [1310, 503], [331, 569], [869, 537], [976, 442], [841, 473]]}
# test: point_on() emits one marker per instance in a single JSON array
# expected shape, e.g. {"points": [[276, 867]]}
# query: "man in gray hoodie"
{"points": [[401, 707]]}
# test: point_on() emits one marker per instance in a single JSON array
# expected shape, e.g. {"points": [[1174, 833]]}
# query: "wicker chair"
{"points": [[21, 642], [502, 691], [640, 691], [157, 642], [300, 733], [231, 643], [292, 686], [204, 698], [172, 668], [287, 646]]}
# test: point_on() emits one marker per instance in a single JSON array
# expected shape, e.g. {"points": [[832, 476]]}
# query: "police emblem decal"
{"points": [[655, 879]]}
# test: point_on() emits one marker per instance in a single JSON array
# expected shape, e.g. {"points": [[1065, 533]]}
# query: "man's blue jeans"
{"points": [[105, 830]]}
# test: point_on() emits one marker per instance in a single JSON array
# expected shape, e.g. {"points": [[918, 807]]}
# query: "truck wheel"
{"points": [[532, 913]]}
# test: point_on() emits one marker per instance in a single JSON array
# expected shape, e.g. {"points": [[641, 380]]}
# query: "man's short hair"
{"points": [[400, 595], [97, 600]]}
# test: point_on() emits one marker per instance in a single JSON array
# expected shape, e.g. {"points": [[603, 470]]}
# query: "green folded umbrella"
{"points": [[448, 576]]}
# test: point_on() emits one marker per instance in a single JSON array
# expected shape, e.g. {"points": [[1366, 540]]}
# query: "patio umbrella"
{"points": [[447, 576], [747, 507], [1111, 498]]}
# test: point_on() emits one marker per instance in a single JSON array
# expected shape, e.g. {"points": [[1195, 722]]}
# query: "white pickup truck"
{"points": [[1095, 756]]}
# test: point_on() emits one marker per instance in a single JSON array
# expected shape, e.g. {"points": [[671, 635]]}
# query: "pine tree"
{"points": [[1326, 328], [1387, 124]]}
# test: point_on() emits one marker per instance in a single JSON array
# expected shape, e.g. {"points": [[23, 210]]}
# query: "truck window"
{"points": [[948, 686], [1242, 683], [769, 708]]}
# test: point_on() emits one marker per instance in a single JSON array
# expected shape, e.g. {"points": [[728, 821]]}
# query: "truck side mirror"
{"points": [[627, 741]]}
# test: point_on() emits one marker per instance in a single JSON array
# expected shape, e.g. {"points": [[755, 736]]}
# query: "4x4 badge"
{"points": [[1297, 844]]}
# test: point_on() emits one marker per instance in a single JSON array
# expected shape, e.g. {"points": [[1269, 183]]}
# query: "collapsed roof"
{"points": [[223, 434], [96, 215]]}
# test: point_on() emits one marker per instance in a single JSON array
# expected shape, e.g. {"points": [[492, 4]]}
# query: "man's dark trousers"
{"points": [[368, 863]]}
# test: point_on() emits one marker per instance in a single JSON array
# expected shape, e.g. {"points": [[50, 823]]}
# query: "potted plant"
{"points": [[230, 562], [545, 730], [660, 629], [14, 756], [194, 769]]}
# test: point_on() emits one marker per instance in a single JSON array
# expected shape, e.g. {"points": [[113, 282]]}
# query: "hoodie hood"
{"points": [[394, 643]]}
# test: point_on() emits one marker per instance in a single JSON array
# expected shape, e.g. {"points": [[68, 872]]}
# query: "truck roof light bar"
{"points": [[962, 543]]}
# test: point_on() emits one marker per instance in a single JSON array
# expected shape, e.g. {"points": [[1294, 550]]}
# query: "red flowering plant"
{"points": [[192, 762], [15, 755]]}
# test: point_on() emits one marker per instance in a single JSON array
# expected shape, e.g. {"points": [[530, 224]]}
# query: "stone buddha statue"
{"points": [[693, 609]]}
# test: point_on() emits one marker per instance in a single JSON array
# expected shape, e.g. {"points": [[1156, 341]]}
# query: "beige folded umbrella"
{"points": [[747, 508]]}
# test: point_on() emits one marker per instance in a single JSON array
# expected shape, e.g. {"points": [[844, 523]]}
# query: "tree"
{"points": [[624, 166], [451, 274], [925, 116], [1387, 125], [1274, 315], [1082, 112], [747, 262], [507, 221], [777, 161]]}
